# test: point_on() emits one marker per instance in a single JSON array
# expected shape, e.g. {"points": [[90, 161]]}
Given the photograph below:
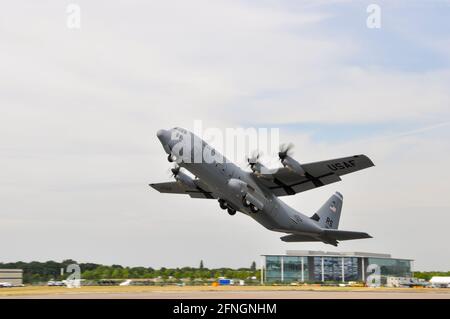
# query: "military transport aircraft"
{"points": [[256, 193]]}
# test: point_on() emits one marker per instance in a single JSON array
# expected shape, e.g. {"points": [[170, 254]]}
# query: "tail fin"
{"points": [[329, 214]]}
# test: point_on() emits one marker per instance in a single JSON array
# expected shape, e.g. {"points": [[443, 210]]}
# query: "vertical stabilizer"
{"points": [[329, 214]]}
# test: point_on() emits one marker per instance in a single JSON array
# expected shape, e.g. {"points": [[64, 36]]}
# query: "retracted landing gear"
{"points": [[254, 209], [247, 204]]}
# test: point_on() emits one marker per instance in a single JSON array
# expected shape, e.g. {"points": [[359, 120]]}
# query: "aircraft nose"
{"points": [[162, 135]]}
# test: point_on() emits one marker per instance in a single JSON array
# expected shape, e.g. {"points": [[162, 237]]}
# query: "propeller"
{"points": [[175, 170], [285, 150], [253, 159]]}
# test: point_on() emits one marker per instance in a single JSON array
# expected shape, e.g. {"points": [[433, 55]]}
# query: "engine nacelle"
{"points": [[237, 185], [257, 167], [185, 179], [253, 200], [293, 165]]}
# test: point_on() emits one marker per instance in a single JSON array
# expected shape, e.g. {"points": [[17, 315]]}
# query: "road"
{"points": [[133, 292]]}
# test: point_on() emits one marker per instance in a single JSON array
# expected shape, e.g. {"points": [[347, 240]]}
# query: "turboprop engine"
{"points": [[293, 165], [288, 161], [254, 164], [183, 178]]}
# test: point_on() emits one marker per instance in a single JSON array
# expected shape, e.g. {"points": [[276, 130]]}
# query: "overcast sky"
{"points": [[80, 109]]}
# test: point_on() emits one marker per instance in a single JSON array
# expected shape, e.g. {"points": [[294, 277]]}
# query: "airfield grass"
{"points": [[44, 290]]}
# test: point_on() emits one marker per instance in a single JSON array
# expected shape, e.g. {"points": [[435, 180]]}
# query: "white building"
{"points": [[12, 276]]}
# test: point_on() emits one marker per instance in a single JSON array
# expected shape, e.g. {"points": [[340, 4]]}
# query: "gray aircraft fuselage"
{"points": [[226, 181]]}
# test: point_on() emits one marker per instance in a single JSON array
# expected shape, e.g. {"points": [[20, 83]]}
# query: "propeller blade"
{"points": [[253, 159], [175, 170], [285, 149]]}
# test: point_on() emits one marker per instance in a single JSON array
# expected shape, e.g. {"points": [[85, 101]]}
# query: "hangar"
{"points": [[320, 266]]}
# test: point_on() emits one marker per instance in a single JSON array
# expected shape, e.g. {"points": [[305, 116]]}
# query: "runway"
{"points": [[222, 293]]}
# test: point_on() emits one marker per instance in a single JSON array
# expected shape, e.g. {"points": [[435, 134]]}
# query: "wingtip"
{"points": [[370, 162], [367, 235]]}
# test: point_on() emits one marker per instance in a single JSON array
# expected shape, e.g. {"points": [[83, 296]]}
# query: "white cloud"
{"points": [[80, 109]]}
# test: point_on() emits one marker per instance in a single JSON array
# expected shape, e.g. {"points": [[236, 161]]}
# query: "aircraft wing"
{"points": [[286, 182], [179, 188]]}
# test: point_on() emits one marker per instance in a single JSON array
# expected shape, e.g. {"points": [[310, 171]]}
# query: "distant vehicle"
{"points": [[440, 282], [256, 193], [5, 285], [405, 282], [225, 282], [126, 282], [55, 283]]}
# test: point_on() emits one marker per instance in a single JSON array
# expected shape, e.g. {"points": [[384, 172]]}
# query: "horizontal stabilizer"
{"points": [[298, 238], [344, 234], [328, 236]]}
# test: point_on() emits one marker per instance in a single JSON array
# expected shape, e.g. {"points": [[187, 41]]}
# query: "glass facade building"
{"points": [[318, 266]]}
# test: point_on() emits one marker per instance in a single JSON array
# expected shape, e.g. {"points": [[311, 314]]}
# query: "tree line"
{"points": [[38, 272], [35, 271]]}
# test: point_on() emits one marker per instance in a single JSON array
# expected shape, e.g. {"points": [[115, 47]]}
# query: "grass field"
{"points": [[219, 292]]}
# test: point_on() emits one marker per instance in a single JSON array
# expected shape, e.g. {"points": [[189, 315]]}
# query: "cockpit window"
{"points": [[179, 133], [182, 130]]}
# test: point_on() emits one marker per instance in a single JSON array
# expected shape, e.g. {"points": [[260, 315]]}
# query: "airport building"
{"points": [[12, 276], [320, 266]]}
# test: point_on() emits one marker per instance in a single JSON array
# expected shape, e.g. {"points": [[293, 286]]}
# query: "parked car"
{"points": [[55, 283]]}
